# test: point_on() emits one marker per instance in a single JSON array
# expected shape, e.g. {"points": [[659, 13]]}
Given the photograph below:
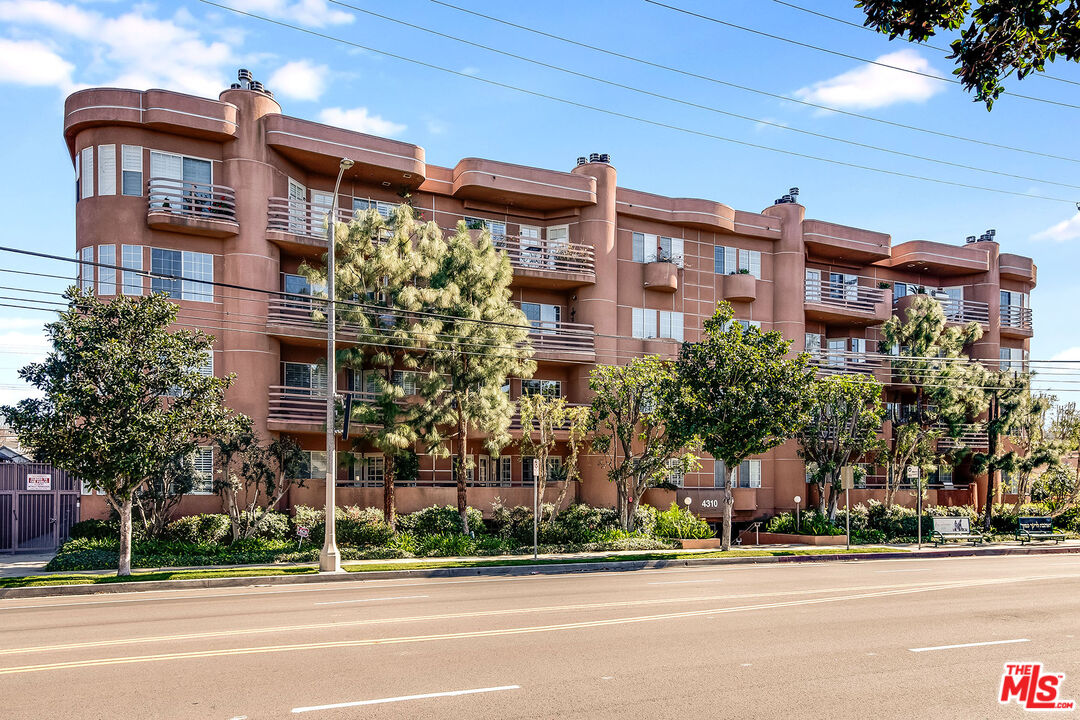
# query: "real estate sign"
{"points": [[39, 482]]}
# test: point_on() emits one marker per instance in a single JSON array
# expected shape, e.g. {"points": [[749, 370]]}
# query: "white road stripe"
{"points": [[966, 645], [380, 701], [360, 600], [681, 582]]}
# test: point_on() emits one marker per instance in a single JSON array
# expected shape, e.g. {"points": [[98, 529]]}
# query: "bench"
{"points": [[953, 528], [1037, 528]]}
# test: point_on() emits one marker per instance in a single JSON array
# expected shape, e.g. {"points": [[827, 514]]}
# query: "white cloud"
{"points": [[300, 80], [360, 120], [68, 18], [1072, 353], [1064, 230], [436, 127], [317, 13], [28, 62], [873, 86]]}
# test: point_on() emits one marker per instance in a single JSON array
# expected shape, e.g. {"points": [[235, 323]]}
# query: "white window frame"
{"points": [[203, 457], [750, 260], [671, 325], [131, 258], [87, 181], [106, 180], [86, 268], [106, 284], [131, 161]]}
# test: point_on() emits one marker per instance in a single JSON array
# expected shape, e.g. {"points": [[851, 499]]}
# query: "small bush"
{"points": [[811, 522], [362, 527], [678, 522], [94, 530], [275, 526], [198, 529], [437, 520]]}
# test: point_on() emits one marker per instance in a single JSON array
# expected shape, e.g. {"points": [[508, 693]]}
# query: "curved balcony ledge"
{"points": [[840, 242], [319, 148], [938, 258], [1016, 267], [662, 277], [741, 287], [687, 212], [193, 208], [509, 184]]}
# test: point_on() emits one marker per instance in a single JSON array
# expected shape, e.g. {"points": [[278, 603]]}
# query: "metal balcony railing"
{"points": [[835, 362], [1016, 316], [562, 337], [304, 405], [300, 217], [965, 311], [853, 297], [189, 199]]}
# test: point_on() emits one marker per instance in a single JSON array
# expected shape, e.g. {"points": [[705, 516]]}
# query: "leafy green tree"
{"points": [[1005, 391], [1058, 487], [163, 490], [1001, 36], [542, 418], [845, 419], [1065, 429], [253, 478], [383, 273], [627, 421], [942, 396], [1035, 448], [484, 339], [122, 397], [739, 393]]}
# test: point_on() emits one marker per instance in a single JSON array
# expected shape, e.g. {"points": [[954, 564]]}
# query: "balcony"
{"points": [[1016, 321], [839, 362], [556, 265], [972, 436], [298, 226], [301, 409], [195, 208], [561, 433], [956, 311], [563, 342], [845, 303]]}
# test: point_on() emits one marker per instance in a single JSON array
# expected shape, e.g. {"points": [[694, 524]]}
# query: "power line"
{"points": [[627, 116], [781, 38], [699, 106], [757, 91], [947, 51]]}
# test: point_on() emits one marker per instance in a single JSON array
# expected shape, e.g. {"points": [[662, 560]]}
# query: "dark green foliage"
{"points": [[198, 529], [678, 522], [437, 520], [811, 522], [93, 530]]}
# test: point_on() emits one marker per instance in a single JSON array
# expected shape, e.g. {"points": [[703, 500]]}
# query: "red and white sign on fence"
{"points": [[39, 482]]}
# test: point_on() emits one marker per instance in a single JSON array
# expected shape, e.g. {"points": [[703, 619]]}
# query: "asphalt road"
{"points": [[871, 639]]}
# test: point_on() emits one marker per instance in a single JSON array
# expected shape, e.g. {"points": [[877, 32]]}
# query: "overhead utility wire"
{"points": [[699, 106], [860, 26], [627, 116], [757, 91], [781, 38]]}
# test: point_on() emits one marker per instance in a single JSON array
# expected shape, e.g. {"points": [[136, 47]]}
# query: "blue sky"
{"points": [[49, 48]]}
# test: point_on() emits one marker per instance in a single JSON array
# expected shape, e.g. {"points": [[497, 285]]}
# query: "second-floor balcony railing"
{"points": [[965, 311], [847, 296], [300, 217], [562, 337], [190, 199], [1016, 316], [835, 362]]}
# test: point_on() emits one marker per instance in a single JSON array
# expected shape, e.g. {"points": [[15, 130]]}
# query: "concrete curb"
{"points": [[514, 570]]}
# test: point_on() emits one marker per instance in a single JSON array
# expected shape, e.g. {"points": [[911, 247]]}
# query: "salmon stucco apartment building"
{"points": [[233, 191]]}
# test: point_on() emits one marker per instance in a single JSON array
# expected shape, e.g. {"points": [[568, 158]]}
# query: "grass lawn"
{"points": [[84, 579]]}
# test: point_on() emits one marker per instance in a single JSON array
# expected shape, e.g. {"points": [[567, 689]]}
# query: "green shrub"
{"points": [[195, 529], [437, 520], [362, 527], [582, 523], [678, 522], [811, 522], [514, 523], [275, 526], [94, 530]]}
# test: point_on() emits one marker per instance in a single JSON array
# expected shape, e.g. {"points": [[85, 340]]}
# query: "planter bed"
{"points": [[768, 538]]}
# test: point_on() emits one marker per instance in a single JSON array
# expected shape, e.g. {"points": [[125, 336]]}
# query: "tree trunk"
{"points": [[389, 509], [833, 500], [991, 473], [822, 486], [729, 502], [621, 504], [124, 564], [462, 492]]}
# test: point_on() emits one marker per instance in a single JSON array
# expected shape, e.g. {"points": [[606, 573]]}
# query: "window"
{"points": [[675, 474], [185, 269], [812, 287], [86, 269], [106, 169], [835, 356], [812, 342], [312, 465], [385, 209], [943, 475], [744, 324], [204, 471], [546, 388], [502, 471], [858, 348], [1012, 297], [671, 325], [527, 471], [407, 380], [532, 247], [750, 260], [843, 286], [1014, 359], [750, 474], [78, 177], [304, 378], [206, 369], [495, 227], [470, 473], [107, 275], [725, 260], [558, 237], [649, 248], [720, 473], [543, 317], [666, 324], [131, 158], [374, 468], [87, 182], [644, 323], [131, 258], [191, 179], [899, 290]]}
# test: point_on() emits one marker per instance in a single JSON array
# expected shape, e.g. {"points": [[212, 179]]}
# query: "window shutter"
{"points": [[755, 264], [106, 169], [88, 172], [166, 166]]}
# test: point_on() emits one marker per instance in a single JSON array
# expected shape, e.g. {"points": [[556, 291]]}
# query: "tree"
{"points": [[1065, 429], [1005, 392], [945, 393], [122, 397], [845, 418], [162, 492], [740, 394], [383, 273], [484, 339], [542, 418], [1057, 487], [1035, 449], [627, 418], [1001, 37], [253, 478]]}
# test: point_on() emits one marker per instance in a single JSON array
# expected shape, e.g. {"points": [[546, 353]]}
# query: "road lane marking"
{"points": [[360, 600], [967, 645], [683, 582], [424, 696], [409, 639]]}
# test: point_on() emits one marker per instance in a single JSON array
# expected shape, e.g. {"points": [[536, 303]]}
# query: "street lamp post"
{"points": [[329, 559]]}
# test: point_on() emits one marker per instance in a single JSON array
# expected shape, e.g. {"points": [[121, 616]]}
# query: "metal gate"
{"points": [[38, 506]]}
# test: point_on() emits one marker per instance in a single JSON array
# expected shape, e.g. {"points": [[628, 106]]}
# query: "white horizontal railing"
{"points": [[562, 337], [834, 362], [1016, 316], [965, 311], [189, 199], [858, 298]]}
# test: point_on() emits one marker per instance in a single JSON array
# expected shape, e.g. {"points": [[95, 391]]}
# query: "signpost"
{"points": [[302, 533], [847, 481], [536, 501], [39, 482], [913, 474]]}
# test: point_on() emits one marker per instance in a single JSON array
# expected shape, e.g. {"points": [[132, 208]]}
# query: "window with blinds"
{"points": [[106, 169], [204, 471], [131, 258], [86, 269], [131, 170], [87, 178], [106, 274]]}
